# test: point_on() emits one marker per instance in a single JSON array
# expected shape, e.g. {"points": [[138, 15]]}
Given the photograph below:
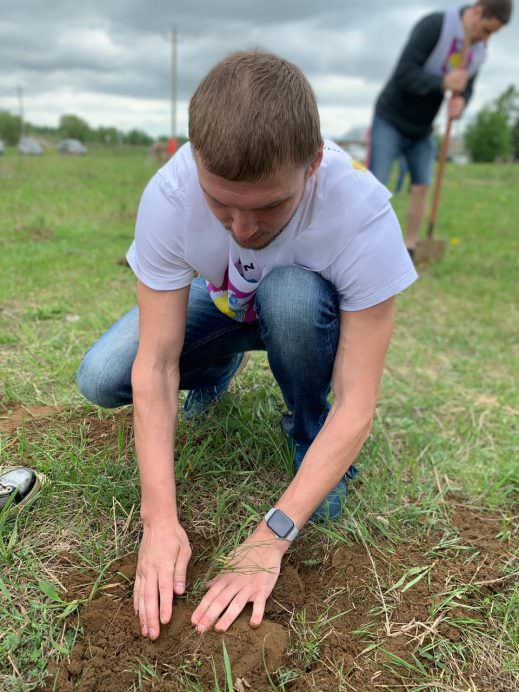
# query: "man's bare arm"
{"points": [[359, 364], [164, 551], [155, 383]]}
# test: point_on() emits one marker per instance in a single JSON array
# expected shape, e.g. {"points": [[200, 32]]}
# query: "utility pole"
{"points": [[19, 88]]}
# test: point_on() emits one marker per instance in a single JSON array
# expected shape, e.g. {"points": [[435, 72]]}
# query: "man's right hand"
{"points": [[161, 571], [456, 80]]}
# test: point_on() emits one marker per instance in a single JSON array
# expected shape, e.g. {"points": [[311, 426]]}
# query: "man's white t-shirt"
{"points": [[344, 228]]}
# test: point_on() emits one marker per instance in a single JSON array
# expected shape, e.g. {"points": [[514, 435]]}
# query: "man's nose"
{"points": [[244, 225]]}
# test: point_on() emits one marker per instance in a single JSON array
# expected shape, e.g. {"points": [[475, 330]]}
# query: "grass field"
{"points": [[414, 588]]}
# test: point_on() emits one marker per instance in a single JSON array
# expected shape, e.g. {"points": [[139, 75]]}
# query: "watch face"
{"points": [[280, 524]]}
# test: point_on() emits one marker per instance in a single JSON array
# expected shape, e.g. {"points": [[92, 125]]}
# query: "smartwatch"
{"points": [[281, 524]]}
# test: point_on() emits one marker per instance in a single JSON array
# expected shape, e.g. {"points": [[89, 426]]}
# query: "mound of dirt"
{"points": [[109, 656], [327, 607]]}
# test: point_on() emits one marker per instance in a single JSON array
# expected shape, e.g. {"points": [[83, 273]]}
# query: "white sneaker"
{"points": [[19, 486]]}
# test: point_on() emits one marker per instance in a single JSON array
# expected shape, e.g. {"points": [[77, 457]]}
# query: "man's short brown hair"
{"points": [[253, 114], [497, 9]]}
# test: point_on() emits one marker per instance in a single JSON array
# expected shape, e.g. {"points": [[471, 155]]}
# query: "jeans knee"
{"points": [[86, 381], [297, 307], [94, 383]]}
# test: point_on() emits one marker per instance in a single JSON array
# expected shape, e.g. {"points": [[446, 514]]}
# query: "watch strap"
{"points": [[292, 534]]}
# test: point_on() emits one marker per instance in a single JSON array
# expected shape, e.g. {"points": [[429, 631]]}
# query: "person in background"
{"points": [[428, 68]]}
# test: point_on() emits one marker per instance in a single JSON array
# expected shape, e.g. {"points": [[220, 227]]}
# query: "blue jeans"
{"points": [[388, 145], [298, 327]]}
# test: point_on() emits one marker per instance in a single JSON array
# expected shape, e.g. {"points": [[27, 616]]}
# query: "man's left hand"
{"points": [[455, 107], [249, 577]]}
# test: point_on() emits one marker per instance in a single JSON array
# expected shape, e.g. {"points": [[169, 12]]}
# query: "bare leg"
{"points": [[415, 213]]}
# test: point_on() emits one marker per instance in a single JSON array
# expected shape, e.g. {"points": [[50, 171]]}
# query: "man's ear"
{"points": [[477, 12], [316, 161]]}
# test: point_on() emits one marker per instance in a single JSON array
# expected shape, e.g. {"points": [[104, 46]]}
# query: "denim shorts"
{"points": [[388, 145]]}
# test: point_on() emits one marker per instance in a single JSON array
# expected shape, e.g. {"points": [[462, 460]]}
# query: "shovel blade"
{"points": [[429, 249]]}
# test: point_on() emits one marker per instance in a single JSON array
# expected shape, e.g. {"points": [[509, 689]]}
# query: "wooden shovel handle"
{"points": [[442, 160], [444, 151]]}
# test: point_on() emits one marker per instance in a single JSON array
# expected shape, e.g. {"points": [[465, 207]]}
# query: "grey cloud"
{"points": [[341, 39]]}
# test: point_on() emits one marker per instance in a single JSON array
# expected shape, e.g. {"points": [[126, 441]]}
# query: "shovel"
{"points": [[432, 248]]}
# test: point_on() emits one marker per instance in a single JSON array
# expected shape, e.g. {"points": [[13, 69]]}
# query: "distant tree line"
{"points": [[493, 135], [73, 127]]}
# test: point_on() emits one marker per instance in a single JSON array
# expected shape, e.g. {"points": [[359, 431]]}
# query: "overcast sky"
{"points": [[109, 61]]}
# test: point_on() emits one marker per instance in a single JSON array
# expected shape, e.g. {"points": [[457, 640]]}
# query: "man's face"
{"points": [[256, 213], [481, 28]]}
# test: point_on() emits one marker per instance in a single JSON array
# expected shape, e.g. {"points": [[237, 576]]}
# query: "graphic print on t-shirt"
{"points": [[235, 297], [453, 60]]}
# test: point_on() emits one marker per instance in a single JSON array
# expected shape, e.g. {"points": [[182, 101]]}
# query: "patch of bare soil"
{"points": [[37, 233], [347, 601], [98, 431], [108, 656], [14, 415]]}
